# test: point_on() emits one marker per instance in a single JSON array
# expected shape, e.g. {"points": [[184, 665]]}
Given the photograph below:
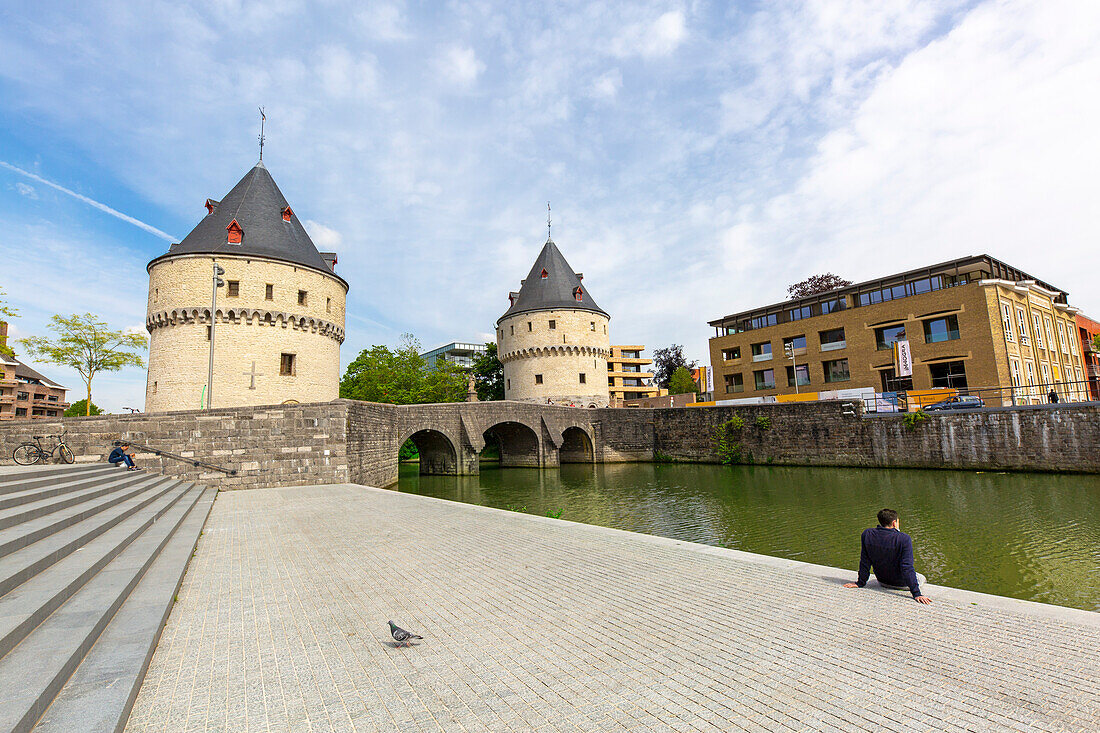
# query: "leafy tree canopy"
{"points": [[817, 284], [668, 360], [681, 382], [80, 407], [6, 311], [400, 377], [489, 374], [88, 345]]}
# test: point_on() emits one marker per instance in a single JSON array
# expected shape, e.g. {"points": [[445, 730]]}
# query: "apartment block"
{"points": [[969, 323], [1087, 332], [24, 393], [628, 374]]}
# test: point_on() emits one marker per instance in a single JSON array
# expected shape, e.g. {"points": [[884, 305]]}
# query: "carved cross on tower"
{"points": [[253, 374]]}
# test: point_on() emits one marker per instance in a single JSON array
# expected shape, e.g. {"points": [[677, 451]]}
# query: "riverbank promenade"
{"points": [[538, 624]]}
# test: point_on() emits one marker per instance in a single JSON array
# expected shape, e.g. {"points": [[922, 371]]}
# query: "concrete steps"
{"points": [[89, 568]]}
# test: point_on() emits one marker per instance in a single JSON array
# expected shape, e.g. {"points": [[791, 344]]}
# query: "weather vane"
{"points": [[263, 118], [548, 220]]}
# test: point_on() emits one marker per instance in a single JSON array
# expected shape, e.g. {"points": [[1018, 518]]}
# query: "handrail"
{"points": [[173, 456]]}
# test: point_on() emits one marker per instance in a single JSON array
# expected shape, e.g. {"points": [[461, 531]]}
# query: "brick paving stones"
{"points": [[545, 625]]}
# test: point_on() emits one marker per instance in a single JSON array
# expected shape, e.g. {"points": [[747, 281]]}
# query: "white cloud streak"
{"points": [[91, 202]]}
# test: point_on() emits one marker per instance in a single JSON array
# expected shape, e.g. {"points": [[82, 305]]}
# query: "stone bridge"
{"points": [[450, 437]]}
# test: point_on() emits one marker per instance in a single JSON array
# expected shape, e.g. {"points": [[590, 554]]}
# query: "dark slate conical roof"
{"points": [[556, 291], [257, 205]]}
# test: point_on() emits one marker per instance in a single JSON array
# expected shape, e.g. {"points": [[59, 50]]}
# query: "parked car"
{"points": [[962, 402]]}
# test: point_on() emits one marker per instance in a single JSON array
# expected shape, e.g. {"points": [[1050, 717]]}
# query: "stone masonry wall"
{"points": [[347, 441], [269, 446]]}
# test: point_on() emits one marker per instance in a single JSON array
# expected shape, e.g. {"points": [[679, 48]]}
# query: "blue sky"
{"points": [[699, 157]]}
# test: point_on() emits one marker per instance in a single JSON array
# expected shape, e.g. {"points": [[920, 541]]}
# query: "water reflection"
{"points": [[1030, 536]]}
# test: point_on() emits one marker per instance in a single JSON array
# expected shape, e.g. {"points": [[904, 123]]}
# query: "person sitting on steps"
{"points": [[890, 552], [123, 454]]}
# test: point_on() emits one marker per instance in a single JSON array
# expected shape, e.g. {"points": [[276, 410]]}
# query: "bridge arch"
{"points": [[576, 446], [438, 454], [519, 443]]}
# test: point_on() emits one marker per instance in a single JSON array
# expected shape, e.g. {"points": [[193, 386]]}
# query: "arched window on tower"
{"points": [[287, 213], [578, 294], [234, 233], [544, 274]]}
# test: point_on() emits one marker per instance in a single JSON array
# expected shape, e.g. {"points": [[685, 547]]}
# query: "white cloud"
{"points": [[25, 190], [607, 85], [461, 65], [326, 238], [657, 38], [384, 21]]}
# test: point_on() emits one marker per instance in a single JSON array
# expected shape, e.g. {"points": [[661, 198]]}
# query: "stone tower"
{"points": [[553, 340], [280, 315]]}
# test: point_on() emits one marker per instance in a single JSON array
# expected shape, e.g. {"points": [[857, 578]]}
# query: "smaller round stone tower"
{"points": [[553, 340]]}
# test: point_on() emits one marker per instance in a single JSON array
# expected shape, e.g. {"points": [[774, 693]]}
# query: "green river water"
{"points": [[1025, 535]]}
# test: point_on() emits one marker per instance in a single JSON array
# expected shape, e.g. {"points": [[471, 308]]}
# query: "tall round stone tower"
{"points": [[553, 340], [280, 315]]}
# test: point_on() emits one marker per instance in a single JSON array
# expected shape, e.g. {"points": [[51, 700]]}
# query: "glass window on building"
{"points": [[1038, 324], [734, 383], [23, 396], [1021, 322], [832, 306], [797, 314], [764, 378], [762, 351], [887, 336], [836, 370], [1006, 320], [832, 339], [1062, 336], [948, 374], [891, 382], [764, 321], [801, 372], [941, 329], [1050, 331], [798, 343], [287, 365], [1015, 372], [731, 354], [21, 412]]}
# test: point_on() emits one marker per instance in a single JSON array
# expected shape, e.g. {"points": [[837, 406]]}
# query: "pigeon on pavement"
{"points": [[401, 636]]}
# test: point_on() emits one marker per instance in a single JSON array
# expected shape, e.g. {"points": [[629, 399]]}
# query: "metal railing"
{"points": [[962, 398], [176, 457]]}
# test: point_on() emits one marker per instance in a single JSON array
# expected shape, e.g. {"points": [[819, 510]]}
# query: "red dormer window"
{"points": [[211, 204], [287, 213], [234, 232], [544, 274], [578, 294]]}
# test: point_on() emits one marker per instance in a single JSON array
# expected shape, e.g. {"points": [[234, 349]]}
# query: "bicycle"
{"points": [[30, 453]]}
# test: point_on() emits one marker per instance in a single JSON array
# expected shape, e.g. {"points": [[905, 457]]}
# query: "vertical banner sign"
{"points": [[710, 380], [903, 359]]}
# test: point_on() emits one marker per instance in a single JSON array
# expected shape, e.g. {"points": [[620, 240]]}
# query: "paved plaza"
{"points": [[538, 624]]}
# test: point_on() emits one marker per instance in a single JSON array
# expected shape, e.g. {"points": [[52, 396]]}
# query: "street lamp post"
{"points": [[217, 283], [789, 348]]}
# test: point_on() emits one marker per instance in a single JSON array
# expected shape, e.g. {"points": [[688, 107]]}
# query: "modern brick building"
{"points": [[628, 375], [970, 323], [1087, 331], [25, 393], [280, 316], [553, 339]]}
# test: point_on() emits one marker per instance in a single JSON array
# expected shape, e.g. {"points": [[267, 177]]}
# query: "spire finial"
{"points": [[263, 119], [547, 221]]}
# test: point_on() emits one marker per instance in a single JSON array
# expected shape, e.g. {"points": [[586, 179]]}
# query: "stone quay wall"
{"points": [[347, 441]]}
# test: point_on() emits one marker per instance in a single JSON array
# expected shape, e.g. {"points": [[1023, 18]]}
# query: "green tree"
{"points": [[400, 377], [88, 345], [6, 312], [80, 407], [667, 361], [681, 382], [489, 374]]}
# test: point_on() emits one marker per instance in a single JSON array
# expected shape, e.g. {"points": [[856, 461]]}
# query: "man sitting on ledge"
{"points": [[890, 552], [123, 454]]}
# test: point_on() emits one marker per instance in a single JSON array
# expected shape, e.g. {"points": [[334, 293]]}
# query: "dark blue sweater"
{"points": [[890, 553]]}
